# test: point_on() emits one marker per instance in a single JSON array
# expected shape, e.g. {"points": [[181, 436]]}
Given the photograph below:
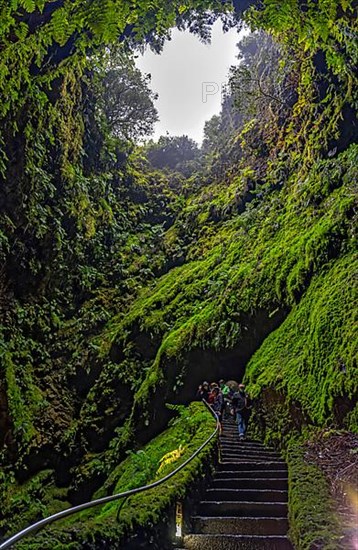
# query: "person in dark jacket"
{"points": [[216, 402], [203, 392], [225, 390], [242, 409]]}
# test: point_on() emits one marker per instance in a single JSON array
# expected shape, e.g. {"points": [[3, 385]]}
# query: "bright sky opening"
{"points": [[188, 76]]}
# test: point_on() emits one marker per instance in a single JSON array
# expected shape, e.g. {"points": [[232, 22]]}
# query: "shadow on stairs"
{"points": [[245, 506]]}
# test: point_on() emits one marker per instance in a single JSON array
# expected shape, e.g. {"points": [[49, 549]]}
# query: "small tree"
{"points": [[261, 80], [125, 99], [176, 153]]}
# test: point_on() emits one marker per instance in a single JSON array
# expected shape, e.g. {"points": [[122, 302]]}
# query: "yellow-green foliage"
{"points": [[189, 430], [311, 357], [289, 250], [266, 259], [24, 503], [24, 397]]}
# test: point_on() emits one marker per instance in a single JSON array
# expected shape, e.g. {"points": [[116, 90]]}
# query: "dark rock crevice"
{"points": [[182, 378], [228, 364]]}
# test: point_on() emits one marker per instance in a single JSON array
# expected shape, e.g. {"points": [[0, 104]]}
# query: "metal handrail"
{"points": [[104, 500]]}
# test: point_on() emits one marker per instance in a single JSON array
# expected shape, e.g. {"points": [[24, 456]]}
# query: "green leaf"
{"points": [[21, 31], [28, 5]]}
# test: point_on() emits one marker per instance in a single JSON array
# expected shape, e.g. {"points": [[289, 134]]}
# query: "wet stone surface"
{"points": [[245, 506]]}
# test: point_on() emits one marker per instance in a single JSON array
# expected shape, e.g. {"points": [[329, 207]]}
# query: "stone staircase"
{"points": [[245, 507]]}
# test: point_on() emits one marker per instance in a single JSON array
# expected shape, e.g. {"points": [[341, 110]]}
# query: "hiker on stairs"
{"points": [[203, 391], [225, 390], [216, 403], [242, 409]]}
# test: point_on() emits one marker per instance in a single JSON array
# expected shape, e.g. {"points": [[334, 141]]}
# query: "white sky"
{"points": [[179, 76]]}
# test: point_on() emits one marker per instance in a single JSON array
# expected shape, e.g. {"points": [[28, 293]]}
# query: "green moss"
{"points": [[311, 357], [264, 259], [25, 503], [24, 397], [313, 522], [186, 433], [289, 249]]}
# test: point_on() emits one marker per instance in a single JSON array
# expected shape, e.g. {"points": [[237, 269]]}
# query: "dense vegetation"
{"points": [[126, 518], [128, 271]]}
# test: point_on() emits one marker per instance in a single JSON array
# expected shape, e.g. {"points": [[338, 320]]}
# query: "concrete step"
{"points": [[240, 526], [239, 453], [242, 508], [245, 507], [249, 495], [254, 474], [247, 458], [236, 542], [237, 464], [241, 445], [235, 442], [243, 457], [233, 435], [251, 483], [237, 447]]}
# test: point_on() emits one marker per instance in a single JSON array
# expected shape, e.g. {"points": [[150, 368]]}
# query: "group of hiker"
{"points": [[228, 399]]}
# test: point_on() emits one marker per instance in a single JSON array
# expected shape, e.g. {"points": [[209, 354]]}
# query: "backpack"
{"points": [[239, 401]]}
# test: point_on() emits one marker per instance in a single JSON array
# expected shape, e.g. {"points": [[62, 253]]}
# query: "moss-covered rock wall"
{"points": [[144, 520], [123, 286]]}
